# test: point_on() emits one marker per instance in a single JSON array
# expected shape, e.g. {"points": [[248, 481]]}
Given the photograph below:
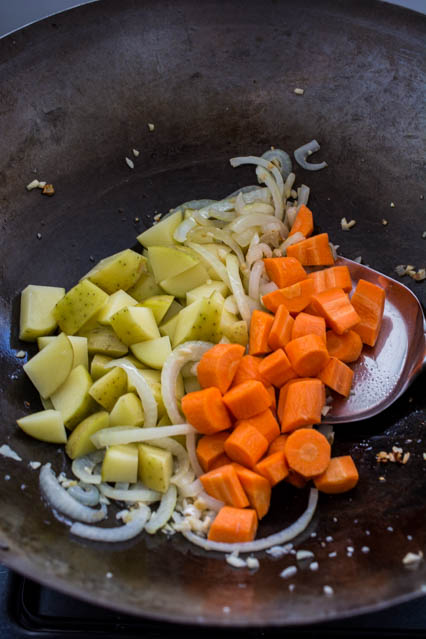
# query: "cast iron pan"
{"points": [[217, 79]]}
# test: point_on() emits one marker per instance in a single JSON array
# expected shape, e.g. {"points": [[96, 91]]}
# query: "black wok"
{"points": [[217, 80]]}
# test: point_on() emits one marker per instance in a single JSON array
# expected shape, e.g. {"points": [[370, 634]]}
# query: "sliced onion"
{"points": [[281, 159], [288, 185], [135, 526], [222, 210], [178, 451], [211, 260], [277, 193], [291, 215], [192, 489], [257, 252], [271, 238], [239, 203], [211, 502], [305, 151], [137, 493], [116, 435], [195, 205], [83, 467], [293, 239], [258, 194], [189, 369], [183, 229], [264, 208], [186, 352], [264, 289], [164, 512], [237, 288], [302, 195], [254, 281], [86, 494], [244, 239], [60, 499], [225, 238], [230, 305], [243, 223], [262, 163], [278, 538], [193, 459], [143, 389]]}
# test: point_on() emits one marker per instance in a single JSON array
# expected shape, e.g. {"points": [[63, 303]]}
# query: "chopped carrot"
{"points": [[340, 476], [223, 484], [368, 301], [233, 525], [265, 423], [346, 347], [222, 460], [308, 355], [276, 368], [260, 326], [218, 365], [210, 448], [284, 271], [246, 444], [337, 376], [274, 467], [307, 451], [278, 444], [300, 403], [295, 297], [306, 324], [247, 399], [315, 251], [335, 307], [333, 277], [295, 479], [257, 489], [271, 391], [248, 368], [206, 411], [303, 223], [282, 326]]}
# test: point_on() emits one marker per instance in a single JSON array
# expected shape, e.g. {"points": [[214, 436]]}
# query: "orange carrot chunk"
{"points": [[248, 368], [334, 277], [346, 347], [284, 271], [296, 480], [260, 326], [233, 525], [276, 368], [271, 391], [278, 444], [337, 376], [335, 307], [300, 403], [247, 399], [274, 467], [282, 326], [265, 423], [308, 355], [315, 251], [295, 297], [246, 444], [210, 448], [257, 489], [340, 476], [303, 223], [223, 484], [369, 302], [306, 324], [222, 460], [206, 411], [307, 452], [218, 366]]}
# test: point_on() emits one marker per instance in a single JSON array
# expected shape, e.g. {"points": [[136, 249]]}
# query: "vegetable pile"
{"points": [[193, 376]]}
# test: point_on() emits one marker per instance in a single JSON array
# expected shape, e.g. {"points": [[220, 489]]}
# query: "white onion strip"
{"points": [[83, 467], [225, 238], [143, 389], [265, 177], [192, 454], [237, 288], [245, 222], [288, 184], [211, 502], [254, 280], [86, 494], [132, 528], [261, 162], [60, 499], [302, 195], [293, 239], [305, 151], [164, 511], [277, 539], [134, 494], [115, 435], [211, 260]]}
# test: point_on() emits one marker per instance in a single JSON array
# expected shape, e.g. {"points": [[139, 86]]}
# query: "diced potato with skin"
{"points": [[36, 317], [78, 305], [135, 324], [49, 368], [206, 290], [155, 467], [168, 328], [79, 347], [72, 399], [153, 352], [79, 442], [159, 305], [174, 309], [98, 367], [117, 301], [119, 271], [145, 287], [109, 387], [180, 284], [162, 232], [120, 464], [233, 328], [127, 411], [89, 325], [46, 425], [168, 261], [199, 321], [104, 341]]}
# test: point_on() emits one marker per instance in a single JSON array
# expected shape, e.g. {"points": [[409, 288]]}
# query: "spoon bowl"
{"points": [[385, 371]]}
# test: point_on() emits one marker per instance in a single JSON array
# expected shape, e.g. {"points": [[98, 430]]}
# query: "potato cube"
{"points": [[109, 387], [103, 340], [127, 411], [79, 442], [46, 425], [79, 347], [119, 271], [155, 467], [72, 399], [37, 304], [162, 232], [134, 324], [121, 463], [159, 305], [153, 352], [145, 287], [49, 368], [78, 306]]}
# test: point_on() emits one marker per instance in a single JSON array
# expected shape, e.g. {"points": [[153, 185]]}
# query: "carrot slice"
{"points": [[369, 302], [246, 444], [218, 366], [210, 448], [278, 444], [307, 452], [303, 223], [276, 368], [335, 307], [340, 476], [274, 467], [282, 326], [265, 423], [206, 411], [334, 277], [233, 525], [315, 251], [300, 403], [284, 271], [248, 368], [260, 326], [223, 484], [222, 460], [346, 347], [247, 399], [337, 376], [308, 355], [257, 489], [272, 395], [295, 297], [307, 324]]}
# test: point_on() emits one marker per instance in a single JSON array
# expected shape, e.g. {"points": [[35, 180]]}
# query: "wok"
{"points": [[217, 80]]}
